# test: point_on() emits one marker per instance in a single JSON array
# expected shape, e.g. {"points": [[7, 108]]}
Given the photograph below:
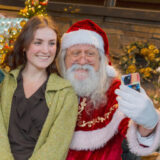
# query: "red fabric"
{"points": [[123, 126], [112, 150], [101, 110], [90, 25]]}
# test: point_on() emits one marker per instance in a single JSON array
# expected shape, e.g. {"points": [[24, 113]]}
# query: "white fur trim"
{"points": [[91, 140], [111, 72], [134, 145], [82, 37]]}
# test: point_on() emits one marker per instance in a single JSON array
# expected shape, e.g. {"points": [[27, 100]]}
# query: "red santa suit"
{"points": [[99, 133], [99, 136]]}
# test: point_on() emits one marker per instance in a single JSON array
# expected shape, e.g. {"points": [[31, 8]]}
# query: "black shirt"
{"points": [[26, 120]]}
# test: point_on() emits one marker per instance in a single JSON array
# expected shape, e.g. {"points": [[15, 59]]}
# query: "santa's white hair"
{"points": [[97, 91]]}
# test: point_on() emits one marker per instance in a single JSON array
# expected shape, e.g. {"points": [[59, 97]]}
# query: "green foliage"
{"points": [[142, 57], [34, 7]]}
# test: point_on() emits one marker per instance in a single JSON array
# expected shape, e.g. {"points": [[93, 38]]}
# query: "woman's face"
{"points": [[42, 50]]}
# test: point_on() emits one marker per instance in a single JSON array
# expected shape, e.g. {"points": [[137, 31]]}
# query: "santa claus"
{"points": [[108, 111]]}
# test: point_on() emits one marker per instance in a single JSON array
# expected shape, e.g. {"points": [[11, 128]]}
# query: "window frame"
{"points": [[108, 10]]}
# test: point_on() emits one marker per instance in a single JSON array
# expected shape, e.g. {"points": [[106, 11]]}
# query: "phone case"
{"points": [[132, 80]]}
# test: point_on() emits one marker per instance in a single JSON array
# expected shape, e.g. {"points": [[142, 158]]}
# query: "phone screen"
{"points": [[132, 80]]}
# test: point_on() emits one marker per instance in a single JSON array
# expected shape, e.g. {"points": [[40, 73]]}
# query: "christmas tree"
{"points": [[34, 7], [9, 30]]}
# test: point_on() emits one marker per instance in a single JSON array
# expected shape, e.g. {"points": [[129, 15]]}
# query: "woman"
{"points": [[38, 108]]}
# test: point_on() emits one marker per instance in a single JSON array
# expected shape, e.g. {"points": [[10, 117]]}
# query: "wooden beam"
{"points": [[105, 3], [110, 3], [142, 1], [9, 8], [16, 3], [115, 12], [137, 14]]}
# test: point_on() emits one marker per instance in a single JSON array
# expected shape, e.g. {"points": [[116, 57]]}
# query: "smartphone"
{"points": [[132, 80]]}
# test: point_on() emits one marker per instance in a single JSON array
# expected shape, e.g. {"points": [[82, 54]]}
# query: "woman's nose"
{"points": [[45, 48]]}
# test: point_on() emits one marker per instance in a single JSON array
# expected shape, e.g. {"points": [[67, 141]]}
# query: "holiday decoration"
{"points": [[34, 7], [9, 30], [141, 57], [144, 57], [11, 27]]}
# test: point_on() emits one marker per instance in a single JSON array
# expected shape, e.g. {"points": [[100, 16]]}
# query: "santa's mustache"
{"points": [[75, 67]]}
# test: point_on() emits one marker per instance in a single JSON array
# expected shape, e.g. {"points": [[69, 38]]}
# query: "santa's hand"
{"points": [[137, 106]]}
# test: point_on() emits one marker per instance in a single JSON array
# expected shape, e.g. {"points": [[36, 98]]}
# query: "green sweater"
{"points": [[57, 131]]}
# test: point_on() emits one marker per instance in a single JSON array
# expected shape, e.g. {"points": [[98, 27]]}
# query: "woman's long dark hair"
{"points": [[18, 57]]}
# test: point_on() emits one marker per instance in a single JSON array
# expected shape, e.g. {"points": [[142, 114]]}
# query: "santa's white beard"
{"points": [[83, 87]]}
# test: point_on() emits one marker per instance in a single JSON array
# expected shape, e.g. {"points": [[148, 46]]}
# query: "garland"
{"points": [[34, 7], [9, 30], [142, 57], [11, 27]]}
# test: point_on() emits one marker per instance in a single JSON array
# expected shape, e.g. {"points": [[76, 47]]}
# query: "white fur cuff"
{"points": [[134, 145], [91, 140]]}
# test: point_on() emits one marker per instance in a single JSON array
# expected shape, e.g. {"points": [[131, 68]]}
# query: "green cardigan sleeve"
{"points": [[57, 143], [5, 152]]}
